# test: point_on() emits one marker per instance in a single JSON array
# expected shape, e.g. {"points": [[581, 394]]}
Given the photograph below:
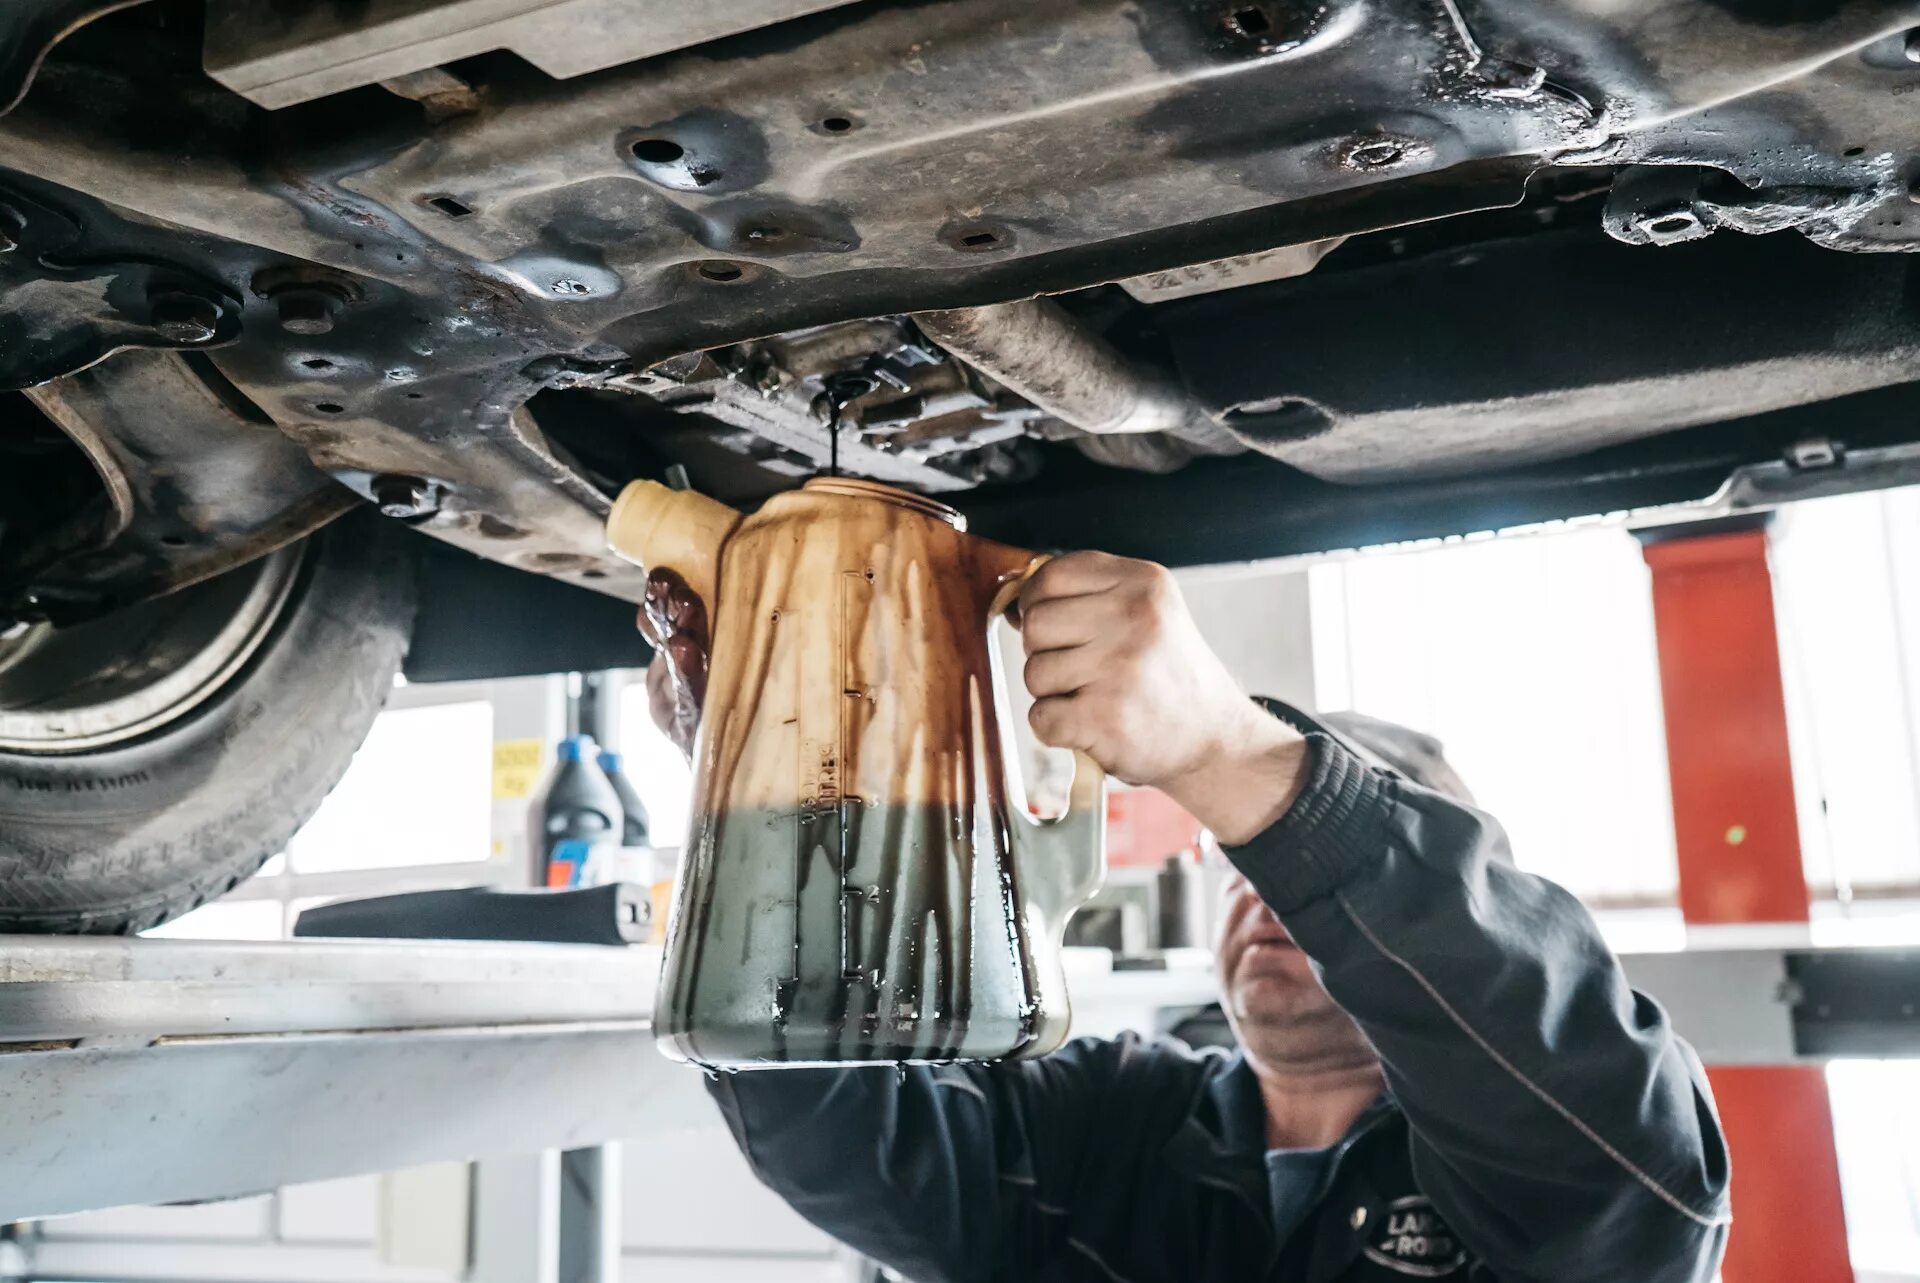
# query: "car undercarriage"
{"points": [[1188, 279], [260, 249]]}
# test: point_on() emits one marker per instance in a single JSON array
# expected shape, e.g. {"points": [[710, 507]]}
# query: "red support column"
{"points": [[1739, 845]]}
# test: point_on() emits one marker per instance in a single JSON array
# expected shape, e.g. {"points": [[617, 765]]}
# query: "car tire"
{"points": [[118, 837]]}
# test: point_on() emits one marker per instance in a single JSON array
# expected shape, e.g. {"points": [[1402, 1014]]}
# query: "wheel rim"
{"points": [[93, 685]]}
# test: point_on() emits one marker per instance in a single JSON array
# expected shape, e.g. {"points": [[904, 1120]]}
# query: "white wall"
{"points": [[1258, 619], [1532, 659]]}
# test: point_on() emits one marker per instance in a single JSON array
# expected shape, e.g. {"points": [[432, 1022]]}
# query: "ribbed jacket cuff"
{"points": [[1335, 831]]}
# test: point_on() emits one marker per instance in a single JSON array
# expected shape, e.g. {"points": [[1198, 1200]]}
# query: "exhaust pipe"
{"points": [[1036, 348]]}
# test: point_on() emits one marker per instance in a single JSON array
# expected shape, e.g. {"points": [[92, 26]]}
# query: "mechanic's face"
{"points": [[1284, 1018]]}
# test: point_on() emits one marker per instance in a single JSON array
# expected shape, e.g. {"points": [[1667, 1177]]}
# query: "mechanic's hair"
{"points": [[1411, 753]]}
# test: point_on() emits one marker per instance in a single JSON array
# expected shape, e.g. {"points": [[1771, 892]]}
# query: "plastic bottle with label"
{"points": [[632, 859], [578, 819], [633, 831]]}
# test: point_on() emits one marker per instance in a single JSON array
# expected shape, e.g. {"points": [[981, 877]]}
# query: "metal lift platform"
{"points": [[157, 1071], [151, 1071]]}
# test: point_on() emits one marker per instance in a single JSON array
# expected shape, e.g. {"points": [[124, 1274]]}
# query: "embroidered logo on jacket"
{"points": [[1415, 1241]]}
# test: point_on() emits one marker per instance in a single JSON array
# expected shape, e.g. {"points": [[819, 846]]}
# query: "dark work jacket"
{"points": [[1543, 1123]]}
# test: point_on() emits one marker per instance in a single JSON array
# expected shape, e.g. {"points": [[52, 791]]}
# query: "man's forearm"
{"points": [[1249, 783]]}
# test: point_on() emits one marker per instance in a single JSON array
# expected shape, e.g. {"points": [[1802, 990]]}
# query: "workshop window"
{"points": [[1533, 660], [1847, 591], [659, 772], [1876, 1129], [418, 792]]}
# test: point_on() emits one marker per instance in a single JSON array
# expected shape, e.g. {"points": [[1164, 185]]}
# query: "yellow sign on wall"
{"points": [[516, 768]]}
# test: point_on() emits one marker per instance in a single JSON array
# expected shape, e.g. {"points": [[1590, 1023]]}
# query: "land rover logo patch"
{"points": [[1415, 1241]]}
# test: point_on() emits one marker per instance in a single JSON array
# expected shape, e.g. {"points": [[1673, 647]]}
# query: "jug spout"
{"points": [[675, 531]]}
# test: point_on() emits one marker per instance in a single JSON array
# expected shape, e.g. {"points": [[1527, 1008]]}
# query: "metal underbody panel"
{"points": [[1449, 366], [281, 52], [198, 486], [390, 275]]}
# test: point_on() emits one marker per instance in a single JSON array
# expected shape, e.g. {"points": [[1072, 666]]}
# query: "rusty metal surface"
{"points": [[1092, 144], [391, 284], [869, 397], [197, 487], [497, 490]]}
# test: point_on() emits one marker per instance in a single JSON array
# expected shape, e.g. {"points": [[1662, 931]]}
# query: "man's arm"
{"points": [[945, 1174], [1559, 1125]]}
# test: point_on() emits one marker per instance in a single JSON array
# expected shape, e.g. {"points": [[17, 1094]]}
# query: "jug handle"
{"points": [[1061, 861]]}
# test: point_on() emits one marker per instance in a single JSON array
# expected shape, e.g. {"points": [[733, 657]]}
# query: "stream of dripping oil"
{"points": [[843, 389]]}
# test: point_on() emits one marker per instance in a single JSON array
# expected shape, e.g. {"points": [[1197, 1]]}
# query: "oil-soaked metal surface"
{"points": [[444, 266], [893, 406], [75, 293]]}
